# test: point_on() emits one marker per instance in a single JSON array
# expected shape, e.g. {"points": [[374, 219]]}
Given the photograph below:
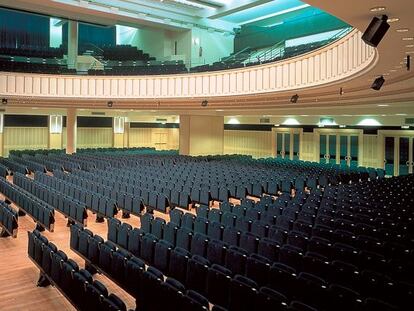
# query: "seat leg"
{"points": [[125, 214], [40, 228], [21, 213], [99, 218], [43, 280], [4, 233]]}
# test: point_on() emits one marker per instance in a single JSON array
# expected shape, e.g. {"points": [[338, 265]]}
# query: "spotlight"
{"points": [[378, 83], [341, 91], [376, 30], [110, 104], [294, 99], [408, 62], [204, 103], [4, 101]]}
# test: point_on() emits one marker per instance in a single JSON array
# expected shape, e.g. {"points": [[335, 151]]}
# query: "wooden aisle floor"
{"points": [[18, 275]]}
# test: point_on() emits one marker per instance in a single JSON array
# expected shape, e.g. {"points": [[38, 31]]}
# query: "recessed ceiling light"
{"points": [[409, 46], [405, 126], [393, 20], [398, 67], [408, 39], [377, 9], [402, 30], [409, 52], [219, 110], [400, 114], [383, 115], [382, 105], [393, 70], [384, 74]]}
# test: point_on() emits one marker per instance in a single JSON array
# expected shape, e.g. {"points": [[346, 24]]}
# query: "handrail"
{"points": [[234, 56]]}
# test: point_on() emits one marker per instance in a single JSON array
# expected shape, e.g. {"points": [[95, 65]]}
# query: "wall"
{"points": [[159, 138], [214, 46], [255, 143], [20, 138], [94, 137]]}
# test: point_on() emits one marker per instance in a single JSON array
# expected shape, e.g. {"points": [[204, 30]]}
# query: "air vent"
{"points": [[409, 121], [264, 120], [97, 113]]}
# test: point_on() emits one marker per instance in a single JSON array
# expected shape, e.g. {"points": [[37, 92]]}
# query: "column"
{"points": [[71, 129], [201, 135], [72, 44]]}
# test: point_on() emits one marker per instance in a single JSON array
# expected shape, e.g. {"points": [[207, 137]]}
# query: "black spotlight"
{"points": [[378, 83], [341, 91], [376, 30], [408, 62], [110, 104], [4, 101], [294, 99], [204, 103]]}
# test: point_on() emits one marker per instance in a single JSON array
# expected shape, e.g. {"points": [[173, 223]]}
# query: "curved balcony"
{"points": [[338, 61]]}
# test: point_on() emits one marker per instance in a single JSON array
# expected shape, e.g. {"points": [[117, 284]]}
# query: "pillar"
{"points": [[119, 132], [73, 28], [71, 129], [201, 135], [1, 135]]}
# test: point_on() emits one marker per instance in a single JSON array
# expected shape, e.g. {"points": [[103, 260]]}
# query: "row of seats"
{"points": [[10, 66], [131, 273], [132, 200], [13, 166], [76, 284], [8, 219], [41, 212], [194, 268], [4, 170], [73, 209], [97, 203], [31, 166]]}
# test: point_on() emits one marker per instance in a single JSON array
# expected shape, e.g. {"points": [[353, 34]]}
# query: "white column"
{"points": [[71, 129], [72, 44]]}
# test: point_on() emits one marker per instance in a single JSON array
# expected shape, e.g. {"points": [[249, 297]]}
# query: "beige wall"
{"points": [[201, 135], [20, 138], [159, 138], [55, 141], [94, 137], [255, 143]]}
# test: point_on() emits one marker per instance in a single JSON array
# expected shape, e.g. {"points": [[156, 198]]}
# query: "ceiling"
{"points": [[358, 97]]}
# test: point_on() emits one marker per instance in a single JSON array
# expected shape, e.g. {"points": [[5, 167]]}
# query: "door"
{"points": [[389, 156], [332, 149], [279, 145], [404, 165], [296, 146], [323, 154], [343, 150], [287, 145], [353, 152]]}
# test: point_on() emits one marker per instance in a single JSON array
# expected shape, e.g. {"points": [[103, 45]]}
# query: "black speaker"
{"points": [[378, 83], [294, 99], [376, 31], [408, 62], [204, 103]]}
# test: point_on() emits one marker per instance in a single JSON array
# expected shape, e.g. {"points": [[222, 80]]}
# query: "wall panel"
{"points": [[255, 143], [94, 137], [159, 138], [20, 138]]}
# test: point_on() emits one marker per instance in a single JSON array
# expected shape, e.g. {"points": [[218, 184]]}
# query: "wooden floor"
{"points": [[18, 275]]}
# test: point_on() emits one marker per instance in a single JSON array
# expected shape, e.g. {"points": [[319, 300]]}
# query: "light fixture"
{"points": [[233, 120], [291, 121], [204, 103], [409, 46], [276, 125], [369, 122], [393, 20], [110, 104], [377, 9], [342, 126], [402, 30], [383, 105], [405, 127], [218, 110], [4, 101], [341, 91], [408, 39], [400, 114], [294, 99]]}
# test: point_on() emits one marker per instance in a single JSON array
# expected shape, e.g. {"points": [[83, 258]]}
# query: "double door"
{"points": [[398, 155], [339, 148], [288, 144]]}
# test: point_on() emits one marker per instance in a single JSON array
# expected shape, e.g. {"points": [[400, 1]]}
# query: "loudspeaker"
{"points": [[294, 99], [376, 31], [4, 101], [408, 62], [204, 103], [110, 104], [378, 83]]}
